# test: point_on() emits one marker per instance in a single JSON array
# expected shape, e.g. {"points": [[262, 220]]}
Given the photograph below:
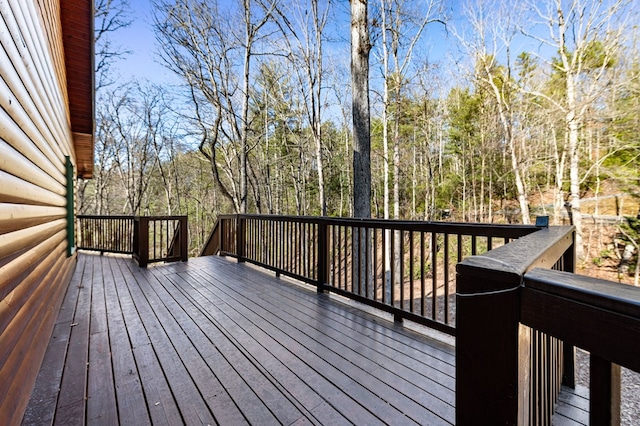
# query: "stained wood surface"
{"points": [[213, 341], [35, 138]]}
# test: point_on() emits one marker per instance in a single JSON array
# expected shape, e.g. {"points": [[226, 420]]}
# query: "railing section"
{"points": [[160, 239], [112, 234], [507, 372], [599, 316], [404, 268], [148, 238]]}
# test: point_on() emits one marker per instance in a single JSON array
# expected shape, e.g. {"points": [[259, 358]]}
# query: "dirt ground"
{"points": [[603, 251]]}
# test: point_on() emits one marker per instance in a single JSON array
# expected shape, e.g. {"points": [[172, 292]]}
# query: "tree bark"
{"points": [[360, 47]]}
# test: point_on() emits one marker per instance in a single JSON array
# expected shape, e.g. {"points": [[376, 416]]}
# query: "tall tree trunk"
{"points": [[360, 47], [244, 179], [571, 120]]}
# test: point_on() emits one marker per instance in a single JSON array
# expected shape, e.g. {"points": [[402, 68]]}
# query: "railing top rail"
{"points": [[507, 264], [602, 317], [181, 217], [88, 216], [479, 229], [615, 297]]}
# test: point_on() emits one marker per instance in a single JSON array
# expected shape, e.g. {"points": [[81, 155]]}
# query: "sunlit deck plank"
{"points": [[212, 341]]}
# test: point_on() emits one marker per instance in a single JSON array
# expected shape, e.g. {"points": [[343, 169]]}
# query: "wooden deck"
{"points": [[212, 341]]}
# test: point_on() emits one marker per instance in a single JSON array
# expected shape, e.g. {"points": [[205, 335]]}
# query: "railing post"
{"points": [[143, 241], [604, 392], [240, 236], [569, 351], [323, 255], [490, 345], [184, 239]]}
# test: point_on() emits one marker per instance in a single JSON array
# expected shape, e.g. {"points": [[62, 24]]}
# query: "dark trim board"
{"points": [[212, 341]]}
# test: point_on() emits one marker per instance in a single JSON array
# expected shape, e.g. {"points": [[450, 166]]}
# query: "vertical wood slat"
{"points": [[384, 235], [375, 263], [401, 274], [434, 276], [422, 276], [392, 280], [604, 392], [411, 273], [446, 278]]}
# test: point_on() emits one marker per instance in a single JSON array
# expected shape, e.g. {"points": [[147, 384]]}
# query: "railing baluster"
{"points": [[422, 275], [401, 275], [446, 278], [375, 262], [434, 274], [384, 235], [411, 271], [392, 261]]}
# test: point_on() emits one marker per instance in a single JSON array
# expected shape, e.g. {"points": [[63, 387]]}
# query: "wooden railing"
{"points": [[147, 238], [160, 239], [111, 234], [519, 309], [212, 245], [602, 317], [401, 267], [507, 373]]}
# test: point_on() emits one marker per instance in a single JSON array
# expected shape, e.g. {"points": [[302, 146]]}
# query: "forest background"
{"points": [[484, 111]]}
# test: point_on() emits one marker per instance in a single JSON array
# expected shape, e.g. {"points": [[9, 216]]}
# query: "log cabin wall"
{"points": [[39, 134]]}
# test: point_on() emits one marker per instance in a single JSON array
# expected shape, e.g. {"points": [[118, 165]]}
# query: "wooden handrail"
{"points": [[349, 257], [602, 317], [496, 357], [212, 245], [140, 236], [107, 234]]}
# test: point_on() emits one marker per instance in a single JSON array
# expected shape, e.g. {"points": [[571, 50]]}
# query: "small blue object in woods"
{"points": [[542, 221]]}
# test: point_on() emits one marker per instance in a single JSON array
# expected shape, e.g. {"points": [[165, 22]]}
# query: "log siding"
{"points": [[36, 136]]}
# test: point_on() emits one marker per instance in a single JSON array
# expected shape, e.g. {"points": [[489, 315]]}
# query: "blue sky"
{"points": [[138, 38], [143, 61]]}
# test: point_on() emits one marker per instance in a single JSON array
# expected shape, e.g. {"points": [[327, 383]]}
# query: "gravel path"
{"points": [[630, 411]]}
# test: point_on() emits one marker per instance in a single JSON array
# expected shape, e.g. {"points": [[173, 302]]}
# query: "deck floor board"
{"points": [[213, 341]]}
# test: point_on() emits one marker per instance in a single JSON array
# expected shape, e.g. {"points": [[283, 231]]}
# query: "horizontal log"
{"points": [[17, 165], [14, 217], [28, 86], [51, 102], [15, 190], [39, 288], [13, 272], [14, 136], [13, 302], [19, 372], [12, 92], [24, 239]]}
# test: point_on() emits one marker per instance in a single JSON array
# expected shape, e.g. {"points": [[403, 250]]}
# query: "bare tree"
{"points": [[134, 118], [206, 46], [493, 28], [307, 56], [109, 16], [587, 37], [401, 27]]}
